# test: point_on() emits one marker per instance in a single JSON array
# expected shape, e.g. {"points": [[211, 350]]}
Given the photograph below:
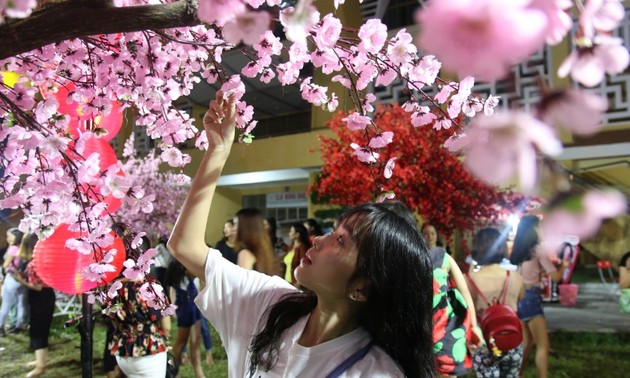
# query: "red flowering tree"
{"points": [[428, 178]]}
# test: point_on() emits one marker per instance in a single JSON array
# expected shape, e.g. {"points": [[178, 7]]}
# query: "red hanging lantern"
{"points": [[81, 122], [110, 123], [60, 267], [107, 159]]}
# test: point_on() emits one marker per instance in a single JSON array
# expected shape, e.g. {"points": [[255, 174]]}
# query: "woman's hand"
{"points": [[476, 339], [220, 123]]}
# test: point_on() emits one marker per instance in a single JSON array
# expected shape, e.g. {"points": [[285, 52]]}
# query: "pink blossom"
{"points": [[456, 143], [364, 155], [489, 105], [366, 76], [356, 121], [444, 93], [333, 103], [219, 11], [366, 103], [268, 45], [169, 310], [384, 196], [506, 144], [603, 15], [299, 20], [247, 27], [328, 33], [425, 72], [313, 93], [336, 3], [137, 240], [381, 140], [401, 49], [233, 87], [422, 117], [18, 8], [389, 167], [244, 113], [583, 220], [442, 123], [23, 96], [113, 289], [480, 38], [174, 157], [252, 69], [578, 111], [587, 65], [385, 77], [373, 35], [559, 20]]}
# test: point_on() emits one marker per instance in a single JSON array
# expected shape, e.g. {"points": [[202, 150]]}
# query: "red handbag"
{"points": [[499, 323]]}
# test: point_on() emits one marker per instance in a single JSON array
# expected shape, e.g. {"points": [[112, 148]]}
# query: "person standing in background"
{"points": [[279, 247], [188, 315], [162, 259], [300, 243], [228, 244], [255, 249], [532, 261], [140, 333], [314, 228], [489, 249], [41, 299], [14, 294]]}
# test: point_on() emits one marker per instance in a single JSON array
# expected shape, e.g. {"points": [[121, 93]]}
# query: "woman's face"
{"points": [[228, 229], [329, 263], [430, 235], [293, 235], [10, 238]]}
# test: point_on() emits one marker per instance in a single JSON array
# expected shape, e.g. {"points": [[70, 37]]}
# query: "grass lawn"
{"points": [[574, 355]]}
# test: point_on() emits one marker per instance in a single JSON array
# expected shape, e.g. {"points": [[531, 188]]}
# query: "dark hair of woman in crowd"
{"points": [[313, 227], [489, 246], [303, 234], [175, 273], [525, 240], [251, 234], [17, 234], [393, 258]]}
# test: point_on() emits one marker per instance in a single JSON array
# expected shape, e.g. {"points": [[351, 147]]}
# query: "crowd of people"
{"points": [[376, 294]]}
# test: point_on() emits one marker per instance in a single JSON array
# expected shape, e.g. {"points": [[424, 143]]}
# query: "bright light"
{"points": [[513, 221]]}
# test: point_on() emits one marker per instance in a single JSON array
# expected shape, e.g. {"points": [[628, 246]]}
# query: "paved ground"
{"points": [[597, 310]]}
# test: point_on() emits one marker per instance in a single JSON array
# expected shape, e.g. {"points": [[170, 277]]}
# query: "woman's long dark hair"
{"points": [[302, 234], [17, 234], [175, 273], [489, 246], [398, 312], [525, 240]]}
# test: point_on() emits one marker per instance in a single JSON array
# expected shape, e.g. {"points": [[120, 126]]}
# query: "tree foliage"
{"points": [[428, 178]]}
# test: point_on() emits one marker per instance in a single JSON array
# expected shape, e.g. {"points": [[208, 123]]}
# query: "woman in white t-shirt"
{"points": [[368, 308]]}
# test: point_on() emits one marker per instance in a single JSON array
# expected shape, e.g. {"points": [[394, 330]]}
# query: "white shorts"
{"points": [[150, 366]]}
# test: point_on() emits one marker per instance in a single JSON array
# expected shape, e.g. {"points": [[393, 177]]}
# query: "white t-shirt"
{"points": [[235, 299]]}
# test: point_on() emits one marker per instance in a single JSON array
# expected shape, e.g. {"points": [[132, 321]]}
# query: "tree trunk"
{"points": [[86, 330], [57, 21]]}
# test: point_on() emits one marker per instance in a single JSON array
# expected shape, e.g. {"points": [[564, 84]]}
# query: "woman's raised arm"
{"points": [[187, 242]]}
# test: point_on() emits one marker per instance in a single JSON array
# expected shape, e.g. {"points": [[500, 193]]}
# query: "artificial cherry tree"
{"points": [[144, 54]]}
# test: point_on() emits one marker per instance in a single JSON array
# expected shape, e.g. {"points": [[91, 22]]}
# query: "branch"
{"points": [[64, 20]]}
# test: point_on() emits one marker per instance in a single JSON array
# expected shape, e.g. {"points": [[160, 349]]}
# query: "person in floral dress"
{"points": [[140, 337], [455, 330]]}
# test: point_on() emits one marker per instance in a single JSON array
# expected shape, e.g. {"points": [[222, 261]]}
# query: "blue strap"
{"points": [[347, 364]]}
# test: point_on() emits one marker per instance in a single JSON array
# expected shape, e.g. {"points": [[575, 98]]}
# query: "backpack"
{"points": [[499, 323]]}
